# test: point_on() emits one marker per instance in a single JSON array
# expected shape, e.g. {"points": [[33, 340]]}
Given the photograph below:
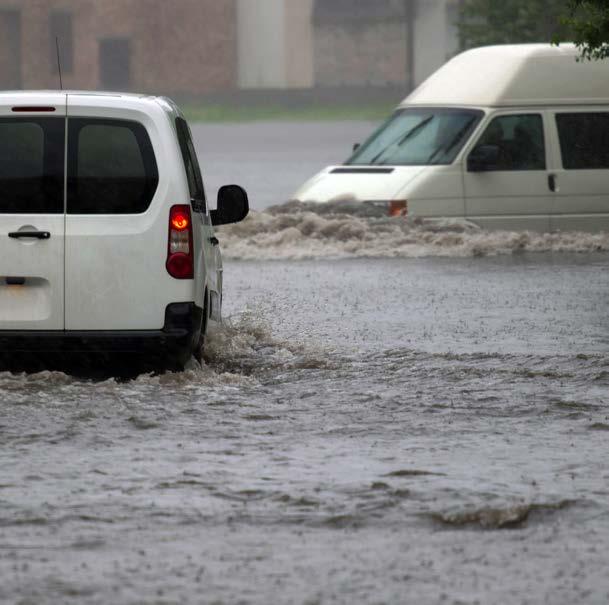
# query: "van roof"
{"points": [[510, 75], [100, 98]]}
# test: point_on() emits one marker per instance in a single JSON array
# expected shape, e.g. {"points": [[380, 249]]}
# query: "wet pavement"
{"points": [[271, 160]]}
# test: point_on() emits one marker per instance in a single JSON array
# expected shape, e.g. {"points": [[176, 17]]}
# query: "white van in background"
{"points": [[106, 237], [508, 137]]}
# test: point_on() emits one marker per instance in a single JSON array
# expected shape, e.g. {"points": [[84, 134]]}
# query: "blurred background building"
{"points": [[196, 48]]}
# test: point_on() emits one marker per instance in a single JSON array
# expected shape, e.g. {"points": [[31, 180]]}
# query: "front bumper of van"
{"points": [[173, 344]]}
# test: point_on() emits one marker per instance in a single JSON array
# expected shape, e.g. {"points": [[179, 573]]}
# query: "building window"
{"points": [[61, 30], [115, 63]]}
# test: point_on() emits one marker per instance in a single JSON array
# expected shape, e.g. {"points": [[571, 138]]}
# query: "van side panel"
{"points": [[436, 192]]}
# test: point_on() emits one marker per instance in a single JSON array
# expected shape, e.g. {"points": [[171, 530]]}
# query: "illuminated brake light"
{"points": [[179, 221], [397, 208], [180, 262]]}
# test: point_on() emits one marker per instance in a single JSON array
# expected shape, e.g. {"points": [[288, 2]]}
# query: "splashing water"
{"points": [[348, 230]]}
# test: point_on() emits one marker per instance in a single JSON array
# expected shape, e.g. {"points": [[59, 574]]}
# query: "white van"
{"points": [[508, 137], [106, 236]]}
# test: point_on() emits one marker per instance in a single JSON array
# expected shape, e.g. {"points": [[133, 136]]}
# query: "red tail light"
{"points": [[180, 258]]}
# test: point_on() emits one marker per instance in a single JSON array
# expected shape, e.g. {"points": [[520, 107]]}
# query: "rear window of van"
{"points": [[111, 167], [31, 165]]}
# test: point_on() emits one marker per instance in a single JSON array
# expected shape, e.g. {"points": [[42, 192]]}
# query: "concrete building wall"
{"points": [[299, 44], [184, 48], [191, 48], [368, 44], [275, 43], [371, 55], [261, 43], [358, 43], [435, 38]]}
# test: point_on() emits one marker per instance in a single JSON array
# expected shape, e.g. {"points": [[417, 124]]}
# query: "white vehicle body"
{"points": [[540, 119], [89, 186]]}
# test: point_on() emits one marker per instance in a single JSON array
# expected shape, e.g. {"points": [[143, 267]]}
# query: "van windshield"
{"points": [[418, 137]]}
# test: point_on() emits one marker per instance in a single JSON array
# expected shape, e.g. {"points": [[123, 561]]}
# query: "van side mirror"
{"points": [[233, 205], [483, 158], [356, 147]]}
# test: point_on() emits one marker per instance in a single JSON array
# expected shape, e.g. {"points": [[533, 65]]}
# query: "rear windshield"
{"points": [[418, 137], [31, 165], [111, 167]]}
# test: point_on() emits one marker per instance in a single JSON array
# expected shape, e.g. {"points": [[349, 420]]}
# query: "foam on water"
{"points": [[348, 230], [237, 353]]}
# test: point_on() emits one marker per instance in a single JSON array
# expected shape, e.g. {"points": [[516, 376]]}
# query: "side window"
{"points": [[191, 165], [111, 167], [31, 165], [520, 141], [583, 140]]}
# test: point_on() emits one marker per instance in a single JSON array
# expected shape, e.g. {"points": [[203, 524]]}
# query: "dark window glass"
{"points": [[61, 31], [520, 141], [584, 140], [31, 165], [111, 167], [191, 165]]}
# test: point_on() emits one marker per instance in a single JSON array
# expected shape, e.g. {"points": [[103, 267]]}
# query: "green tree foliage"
{"points": [[588, 22], [483, 22]]}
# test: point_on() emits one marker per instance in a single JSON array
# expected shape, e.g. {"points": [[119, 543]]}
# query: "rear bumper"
{"points": [[175, 340]]}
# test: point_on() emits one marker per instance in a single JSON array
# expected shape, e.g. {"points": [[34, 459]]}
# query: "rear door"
{"points": [[32, 180], [116, 227], [517, 193]]}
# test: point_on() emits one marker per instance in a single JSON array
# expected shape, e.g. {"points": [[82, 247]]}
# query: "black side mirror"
{"points": [[356, 147], [233, 205], [483, 158]]}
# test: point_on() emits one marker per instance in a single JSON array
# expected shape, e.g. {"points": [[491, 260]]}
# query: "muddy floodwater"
{"points": [[429, 428]]}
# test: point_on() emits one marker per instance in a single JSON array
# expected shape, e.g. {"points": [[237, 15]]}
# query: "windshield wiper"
{"points": [[399, 142], [452, 143]]}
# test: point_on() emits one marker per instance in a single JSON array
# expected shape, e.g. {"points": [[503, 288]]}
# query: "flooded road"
{"points": [[430, 428], [377, 431]]}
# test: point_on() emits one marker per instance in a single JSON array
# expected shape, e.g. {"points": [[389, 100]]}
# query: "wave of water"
{"points": [[238, 352], [296, 231]]}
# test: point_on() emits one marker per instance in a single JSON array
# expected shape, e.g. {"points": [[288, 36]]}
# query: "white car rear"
{"points": [[106, 239]]}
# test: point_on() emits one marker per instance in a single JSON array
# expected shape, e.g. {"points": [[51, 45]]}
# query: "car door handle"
{"points": [[214, 241], [552, 182], [34, 234]]}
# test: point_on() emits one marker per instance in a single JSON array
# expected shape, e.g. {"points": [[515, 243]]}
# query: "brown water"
{"points": [[426, 431]]}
